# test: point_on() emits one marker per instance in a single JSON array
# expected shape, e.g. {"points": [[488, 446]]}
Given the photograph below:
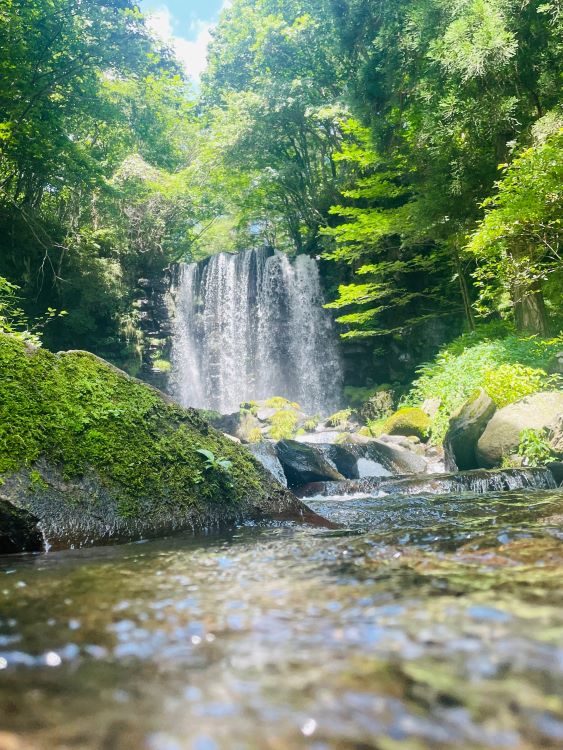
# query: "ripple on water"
{"points": [[423, 623]]}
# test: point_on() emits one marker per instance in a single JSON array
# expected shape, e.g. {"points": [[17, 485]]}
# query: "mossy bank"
{"points": [[95, 454]]}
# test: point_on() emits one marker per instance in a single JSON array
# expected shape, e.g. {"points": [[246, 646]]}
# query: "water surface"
{"points": [[426, 622]]}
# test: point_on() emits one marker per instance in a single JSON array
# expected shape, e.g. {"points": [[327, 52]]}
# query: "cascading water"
{"points": [[251, 326]]}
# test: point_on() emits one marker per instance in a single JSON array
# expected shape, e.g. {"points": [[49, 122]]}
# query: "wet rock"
{"points": [[465, 429], [431, 406], [478, 481], [18, 530], [303, 463], [265, 452], [119, 459], [396, 458], [502, 434], [556, 468], [556, 436], [343, 457]]}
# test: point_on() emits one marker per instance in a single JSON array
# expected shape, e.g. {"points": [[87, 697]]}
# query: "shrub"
{"points": [[283, 425], [379, 406], [510, 383], [340, 418], [278, 402], [512, 367], [534, 447]]}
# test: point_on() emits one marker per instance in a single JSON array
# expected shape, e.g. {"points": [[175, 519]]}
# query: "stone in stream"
{"points": [[465, 428], [303, 463], [98, 456], [265, 452], [503, 433]]}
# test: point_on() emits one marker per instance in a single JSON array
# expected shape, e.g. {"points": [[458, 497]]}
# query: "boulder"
{"points": [[303, 463], [556, 469], [343, 457], [408, 421], [98, 456], [465, 428], [395, 458], [265, 452], [501, 437], [19, 531], [556, 436]]}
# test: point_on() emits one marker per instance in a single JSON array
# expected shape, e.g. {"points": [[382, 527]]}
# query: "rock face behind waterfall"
{"points": [[96, 455], [250, 326]]}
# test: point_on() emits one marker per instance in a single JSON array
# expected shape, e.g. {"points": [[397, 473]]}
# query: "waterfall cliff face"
{"points": [[251, 326]]}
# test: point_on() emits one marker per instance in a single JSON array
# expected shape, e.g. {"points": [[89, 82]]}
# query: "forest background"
{"points": [[414, 146]]}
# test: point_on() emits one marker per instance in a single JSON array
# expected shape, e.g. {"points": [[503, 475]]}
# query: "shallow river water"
{"points": [[426, 622]]}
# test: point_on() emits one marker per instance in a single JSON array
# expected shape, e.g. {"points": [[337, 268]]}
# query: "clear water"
{"points": [[426, 622], [251, 326]]}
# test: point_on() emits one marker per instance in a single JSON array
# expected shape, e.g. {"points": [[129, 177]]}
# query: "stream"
{"points": [[424, 622]]}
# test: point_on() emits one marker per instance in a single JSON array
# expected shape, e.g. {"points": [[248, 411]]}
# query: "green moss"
{"points": [[311, 424], [340, 419], [407, 421], [163, 365], [283, 425], [255, 435], [277, 402], [82, 414], [250, 407]]}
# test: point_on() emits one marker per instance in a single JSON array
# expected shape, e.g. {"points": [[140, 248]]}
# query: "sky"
{"points": [[185, 25]]}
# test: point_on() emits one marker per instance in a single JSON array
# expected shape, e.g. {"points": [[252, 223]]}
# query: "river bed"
{"points": [[425, 622]]}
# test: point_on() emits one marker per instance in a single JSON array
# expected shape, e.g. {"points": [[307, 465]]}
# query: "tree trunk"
{"points": [[530, 314], [464, 289]]}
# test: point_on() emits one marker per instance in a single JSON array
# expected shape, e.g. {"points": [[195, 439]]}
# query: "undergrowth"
{"points": [[508, 367]]}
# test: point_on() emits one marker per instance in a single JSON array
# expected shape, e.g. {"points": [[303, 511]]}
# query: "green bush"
{"points": [[283, 425], [510, 383], [507, 366], [534, 447]]}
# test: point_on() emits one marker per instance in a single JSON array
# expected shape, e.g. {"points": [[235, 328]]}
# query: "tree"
{"points": [[518, 242]]}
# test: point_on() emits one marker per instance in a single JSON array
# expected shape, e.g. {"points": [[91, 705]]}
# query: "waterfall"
{"points": [[251, 326]]}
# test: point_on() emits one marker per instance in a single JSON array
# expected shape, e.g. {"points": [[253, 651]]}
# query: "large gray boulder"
{"points": [[465, 429], [303, 463], [396, 458], [502, 435], [556, 436]]}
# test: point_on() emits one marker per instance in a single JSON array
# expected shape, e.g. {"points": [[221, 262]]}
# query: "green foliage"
{"points": [[534, 447], [83, 415], [311, 424], [255, 435], [340, 418], [13, 319], [283, 425], [278, 402], [518, 242], [511, 382], [214, 463], [511, 366]]}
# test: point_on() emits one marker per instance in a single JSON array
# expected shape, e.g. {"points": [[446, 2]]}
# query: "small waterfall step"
{"points": [[478, 481]]}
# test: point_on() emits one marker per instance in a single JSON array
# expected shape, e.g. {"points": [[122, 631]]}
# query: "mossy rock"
{"points": [[407, 421], [96, 454]]}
